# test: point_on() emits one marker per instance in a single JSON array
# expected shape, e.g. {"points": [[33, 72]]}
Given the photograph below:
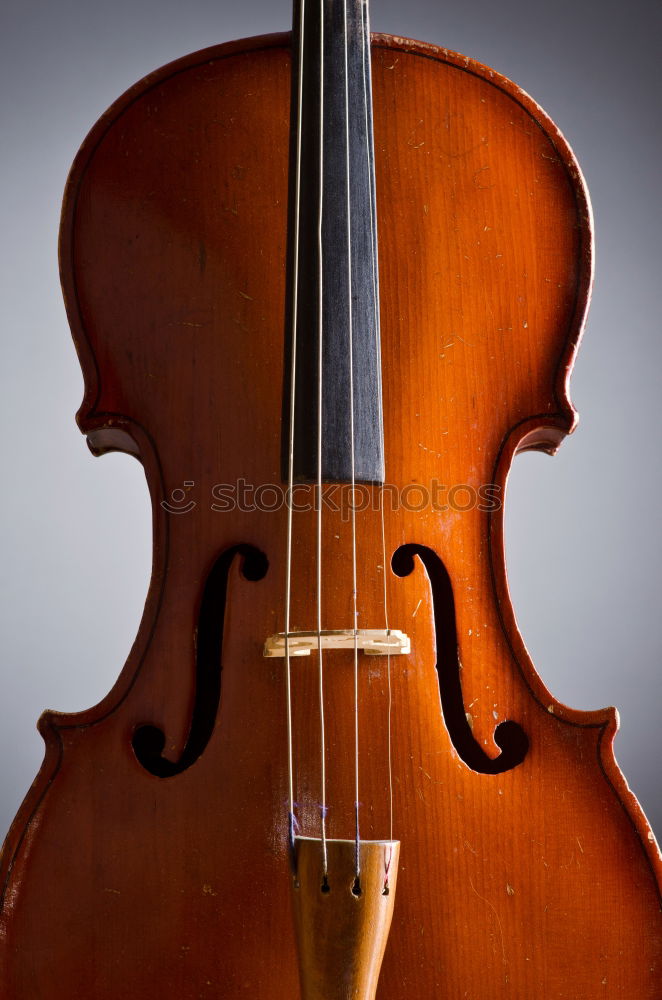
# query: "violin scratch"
{"points": [[493, 908]]}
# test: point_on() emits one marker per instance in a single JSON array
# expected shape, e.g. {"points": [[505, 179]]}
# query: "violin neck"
{"points": [[333, 293]]}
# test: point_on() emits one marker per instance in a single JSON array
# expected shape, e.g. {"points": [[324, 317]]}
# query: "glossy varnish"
{"points": [[138, 874]]}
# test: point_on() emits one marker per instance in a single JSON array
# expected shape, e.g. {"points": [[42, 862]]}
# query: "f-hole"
{"points": [[149, 741], [509, 736]]}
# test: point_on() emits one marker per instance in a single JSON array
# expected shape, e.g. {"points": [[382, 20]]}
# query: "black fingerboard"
{"points": [[332, 322]]}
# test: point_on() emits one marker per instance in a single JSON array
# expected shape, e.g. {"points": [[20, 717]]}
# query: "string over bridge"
{"points": [[373, 641]]}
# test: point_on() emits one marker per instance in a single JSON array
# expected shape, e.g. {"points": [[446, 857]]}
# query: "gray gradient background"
{"points": [[583, 529]]}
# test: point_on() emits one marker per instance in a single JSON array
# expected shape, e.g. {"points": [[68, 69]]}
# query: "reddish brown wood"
{"points": [[538, 882]]}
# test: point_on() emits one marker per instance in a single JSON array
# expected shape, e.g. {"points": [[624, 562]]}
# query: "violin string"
{"points": [[320, 397], [367, 92], [290, 474], [352, 452]]}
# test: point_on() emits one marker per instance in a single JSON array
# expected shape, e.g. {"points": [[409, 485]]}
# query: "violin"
{"points": [[324, 286]]}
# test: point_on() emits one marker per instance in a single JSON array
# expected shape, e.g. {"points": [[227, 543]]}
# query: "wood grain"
{"points": [[540, 881], [342, 932]]}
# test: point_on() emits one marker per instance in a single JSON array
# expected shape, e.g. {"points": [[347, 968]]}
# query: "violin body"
{"points": [[150, 858]]}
